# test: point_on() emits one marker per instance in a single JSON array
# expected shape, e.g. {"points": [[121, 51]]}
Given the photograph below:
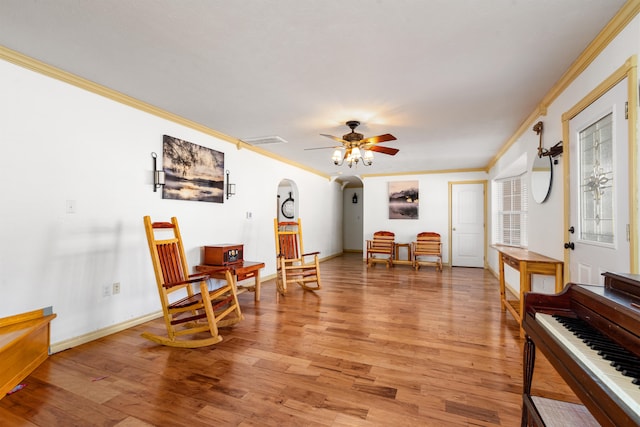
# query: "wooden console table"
{"points": [[527, 263], [241, 271]]}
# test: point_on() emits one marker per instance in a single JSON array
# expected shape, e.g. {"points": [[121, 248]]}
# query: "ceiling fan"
{"points": [[353, 143]]}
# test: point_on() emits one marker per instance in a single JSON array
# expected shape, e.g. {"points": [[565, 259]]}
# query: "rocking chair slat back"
{"points": [[171, 263], [289, 243]]}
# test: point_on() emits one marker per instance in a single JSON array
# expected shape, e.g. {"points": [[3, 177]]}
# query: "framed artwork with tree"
{"points": [[192, 172]]}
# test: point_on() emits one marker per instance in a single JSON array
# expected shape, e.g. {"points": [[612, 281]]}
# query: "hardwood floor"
{"points": [[374, 347]]}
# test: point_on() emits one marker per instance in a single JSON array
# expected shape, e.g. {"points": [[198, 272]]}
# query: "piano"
{"points": [[591, 335]]}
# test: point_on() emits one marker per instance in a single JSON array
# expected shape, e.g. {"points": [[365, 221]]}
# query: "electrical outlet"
{"points": [[116, 288], [106, 291]]}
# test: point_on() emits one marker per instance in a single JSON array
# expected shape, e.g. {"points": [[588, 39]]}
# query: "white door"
{"points": [[467, 224], [598, 189]]}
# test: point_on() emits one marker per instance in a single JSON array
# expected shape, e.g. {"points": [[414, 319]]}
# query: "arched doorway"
{"points": [[287, 206], [352, 214]]}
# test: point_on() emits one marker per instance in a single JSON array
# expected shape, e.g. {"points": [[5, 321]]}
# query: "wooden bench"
{"points": [[381, 248], [24, 345], [428, 244]]}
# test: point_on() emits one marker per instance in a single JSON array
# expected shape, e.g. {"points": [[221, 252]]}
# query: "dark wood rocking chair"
{"points": [[192, 318], [293, 264]]}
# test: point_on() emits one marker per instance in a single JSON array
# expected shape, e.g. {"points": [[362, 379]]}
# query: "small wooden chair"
{"points": [[194, 314], [381, 248], [427, 250], [293, 264]]}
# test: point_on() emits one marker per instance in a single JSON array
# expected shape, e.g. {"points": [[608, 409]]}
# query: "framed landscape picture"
{"points": [[192, 172], [403, 200]]}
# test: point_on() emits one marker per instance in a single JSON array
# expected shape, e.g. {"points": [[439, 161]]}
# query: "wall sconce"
{"points": [[354, 199], [554, 151], [231, 188], [158, 175]]}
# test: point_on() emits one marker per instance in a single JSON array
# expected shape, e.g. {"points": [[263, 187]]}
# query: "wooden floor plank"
{"points": [[374, 347]]}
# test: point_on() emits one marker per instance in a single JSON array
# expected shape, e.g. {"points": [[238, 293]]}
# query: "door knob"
{"points": [[569, 245]]}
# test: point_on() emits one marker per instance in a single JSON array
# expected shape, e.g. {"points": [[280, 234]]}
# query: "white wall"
{"points": [[546, 234], [62, 143], [433, 209]]}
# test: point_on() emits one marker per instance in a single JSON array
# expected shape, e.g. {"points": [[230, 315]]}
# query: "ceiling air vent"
{"points": [[265, 140]]}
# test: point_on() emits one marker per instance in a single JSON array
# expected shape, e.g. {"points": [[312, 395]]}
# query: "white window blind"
{"points": [[511, 205]]}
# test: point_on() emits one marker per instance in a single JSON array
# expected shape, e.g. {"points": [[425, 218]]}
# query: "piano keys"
{"points": [[581, 331], [613, 380]]}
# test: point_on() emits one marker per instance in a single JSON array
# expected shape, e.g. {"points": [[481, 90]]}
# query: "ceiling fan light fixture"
{"points": [[351, 144], [337, 157], [349, 158], [368, 157]]}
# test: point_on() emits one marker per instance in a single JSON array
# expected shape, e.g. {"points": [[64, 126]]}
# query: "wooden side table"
{"points": [[527, 263], [241, 271], [397, 260]]}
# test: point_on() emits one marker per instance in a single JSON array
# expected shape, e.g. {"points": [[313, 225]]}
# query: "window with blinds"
{"points": [[511, 205]]}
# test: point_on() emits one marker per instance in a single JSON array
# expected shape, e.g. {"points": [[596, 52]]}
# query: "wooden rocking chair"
{"points": [[192, 318], [427, 245], [381, 248], [293, 264]]}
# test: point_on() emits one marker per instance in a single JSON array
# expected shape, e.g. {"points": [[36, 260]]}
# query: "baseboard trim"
{"points": [[91, 336], [331, 257]]}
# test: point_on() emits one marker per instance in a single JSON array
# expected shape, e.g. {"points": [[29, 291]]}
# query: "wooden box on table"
{"points": [[223, 254]]}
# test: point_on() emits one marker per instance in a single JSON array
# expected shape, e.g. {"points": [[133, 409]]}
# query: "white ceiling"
{"points": [[451, 79]]}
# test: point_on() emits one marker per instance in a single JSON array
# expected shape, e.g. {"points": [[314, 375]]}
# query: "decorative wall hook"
{"points": [[554, 151], [537, 128]]}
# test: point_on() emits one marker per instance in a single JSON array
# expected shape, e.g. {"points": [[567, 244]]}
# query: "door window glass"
{"points": [[596, 175]]}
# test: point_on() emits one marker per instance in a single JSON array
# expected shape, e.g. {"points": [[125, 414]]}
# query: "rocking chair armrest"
{"points": [[199, 276], [193, 278], [311, 253]]}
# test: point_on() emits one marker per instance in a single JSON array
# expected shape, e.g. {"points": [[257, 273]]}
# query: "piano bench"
{"points": [[555, 413]]}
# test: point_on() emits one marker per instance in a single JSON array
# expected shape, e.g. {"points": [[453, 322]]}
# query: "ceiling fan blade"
{"points": [[384, 150], [380, 138], [335, 138]]}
